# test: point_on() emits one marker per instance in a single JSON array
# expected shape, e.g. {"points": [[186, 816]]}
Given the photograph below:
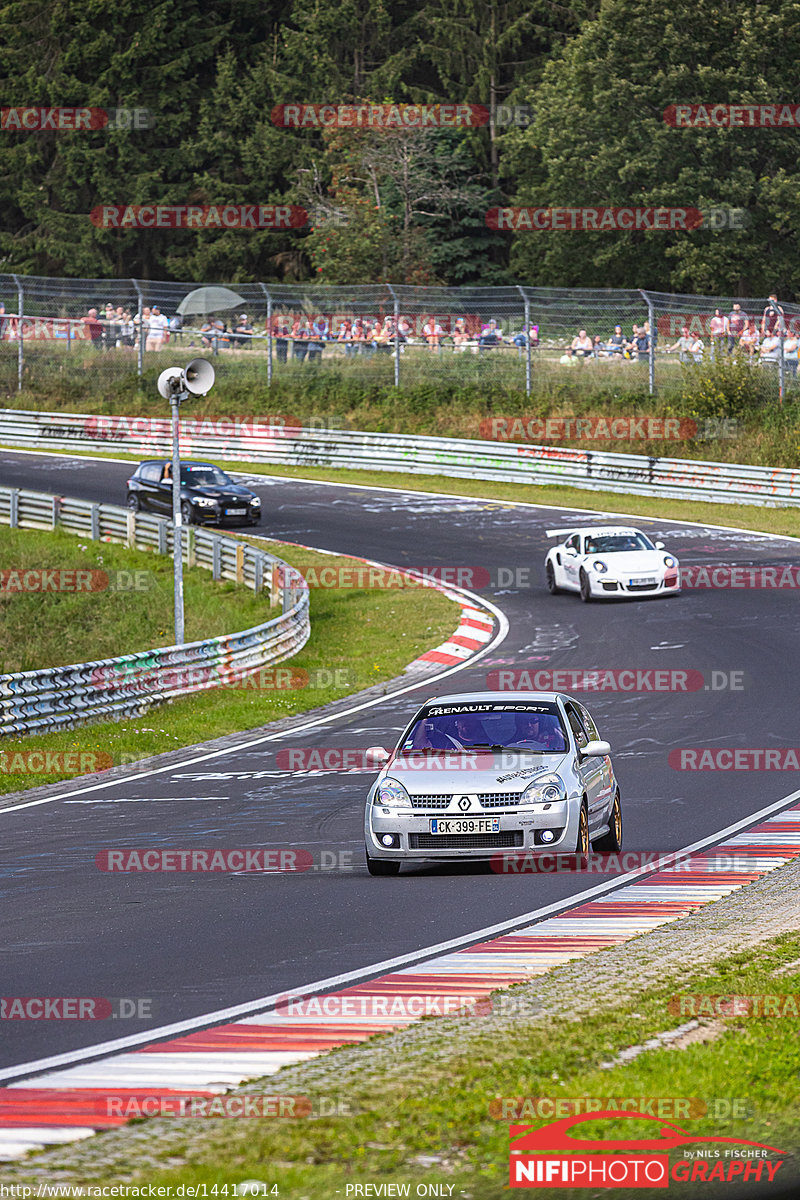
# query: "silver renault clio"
{"points": [[479, 773]]}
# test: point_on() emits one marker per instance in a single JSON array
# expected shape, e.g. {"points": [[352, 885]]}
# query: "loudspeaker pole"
{"points": [[177, 534]]}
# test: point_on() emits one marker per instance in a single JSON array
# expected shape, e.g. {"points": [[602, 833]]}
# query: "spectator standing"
{"points": [[790, 345], [94, 328], [774, 318], [280, 332], [716, 327], [735, 325], [156, 329]]}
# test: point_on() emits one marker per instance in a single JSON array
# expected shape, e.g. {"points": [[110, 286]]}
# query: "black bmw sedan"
{"points": [[208, 495]]}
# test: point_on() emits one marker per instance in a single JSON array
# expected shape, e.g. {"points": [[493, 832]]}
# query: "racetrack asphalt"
{"points": [[193, 943]]}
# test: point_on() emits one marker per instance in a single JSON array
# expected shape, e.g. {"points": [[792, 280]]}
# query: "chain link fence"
{"points": [[521, 337]]}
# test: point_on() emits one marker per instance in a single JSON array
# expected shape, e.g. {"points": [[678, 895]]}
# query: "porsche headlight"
{"points": [[669, 561], [255, 501], [599, 565], [547, 789], [391, 793]]}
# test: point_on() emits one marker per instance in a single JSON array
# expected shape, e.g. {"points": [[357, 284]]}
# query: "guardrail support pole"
{"points": [[651, 357], [396, 335], [13, 509], [527, 321], [20, 338], [140, 353], [269, 333], [216, 559], [95, 519]]}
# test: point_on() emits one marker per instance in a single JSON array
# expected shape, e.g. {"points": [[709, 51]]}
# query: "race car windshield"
{"points": [[203, 476], [614, 543], [531, 730]]}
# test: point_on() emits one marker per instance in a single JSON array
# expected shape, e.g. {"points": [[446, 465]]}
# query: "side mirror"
{"points": [[660, 546], [378, 754], [595, 750]]}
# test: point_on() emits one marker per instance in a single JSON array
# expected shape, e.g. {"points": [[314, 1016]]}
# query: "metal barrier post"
{"points": [[140, 363], [20, 313], [651, 356], [396, 335], [527, 320], [269, 333]]}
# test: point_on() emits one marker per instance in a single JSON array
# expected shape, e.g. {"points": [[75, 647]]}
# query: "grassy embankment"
{"points": [[348, 645]]}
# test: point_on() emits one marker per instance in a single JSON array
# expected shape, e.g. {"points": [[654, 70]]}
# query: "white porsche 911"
{"points": [[605, 561]]}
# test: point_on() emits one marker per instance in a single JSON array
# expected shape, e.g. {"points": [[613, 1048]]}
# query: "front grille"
{"points": [[430, 801], [465, 841], [610, 587], [642, 587], [499, 799]]}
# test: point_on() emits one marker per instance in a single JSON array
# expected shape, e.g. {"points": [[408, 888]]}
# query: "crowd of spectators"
{"points": [[617, 346], [761, 339]]}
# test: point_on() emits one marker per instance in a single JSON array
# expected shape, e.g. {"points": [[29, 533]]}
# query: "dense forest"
{"points": [[570, 102]]}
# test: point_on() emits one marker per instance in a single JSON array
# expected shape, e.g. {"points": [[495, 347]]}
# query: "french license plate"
{"points": [[643, 581], [465, 824], [235, 512]]}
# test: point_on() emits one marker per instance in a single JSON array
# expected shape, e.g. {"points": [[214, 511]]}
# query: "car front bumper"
{"points": [[517, 831]]}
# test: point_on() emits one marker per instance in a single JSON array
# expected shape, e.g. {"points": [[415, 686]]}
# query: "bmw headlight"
{"points": [[206, 501], [669, 561], [599, 565], [255, 501], [547, 789], [391, 793]]}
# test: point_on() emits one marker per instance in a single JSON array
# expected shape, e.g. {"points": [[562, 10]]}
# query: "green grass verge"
{"points": [[432, 1112], [448, 395], [348, 646]]}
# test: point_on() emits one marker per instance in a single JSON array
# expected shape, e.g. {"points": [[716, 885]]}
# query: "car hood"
{"points": [[480, 771], [233, 491], [632, 562]]}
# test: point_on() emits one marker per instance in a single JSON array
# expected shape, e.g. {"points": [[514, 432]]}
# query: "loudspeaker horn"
{"points": [[199, 377]]}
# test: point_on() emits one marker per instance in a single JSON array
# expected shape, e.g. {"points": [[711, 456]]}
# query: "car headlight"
{"points": [[599, 565], [255, 501], [391, 793], [547, 789], [669, 561], [205, 501]]}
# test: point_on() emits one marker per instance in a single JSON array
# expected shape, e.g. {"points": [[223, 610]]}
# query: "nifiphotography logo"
{"points": [[550, 1157]]}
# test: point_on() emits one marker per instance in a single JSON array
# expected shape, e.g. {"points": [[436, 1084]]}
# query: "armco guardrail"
{"points": [[114, 688], [462, 458]]}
